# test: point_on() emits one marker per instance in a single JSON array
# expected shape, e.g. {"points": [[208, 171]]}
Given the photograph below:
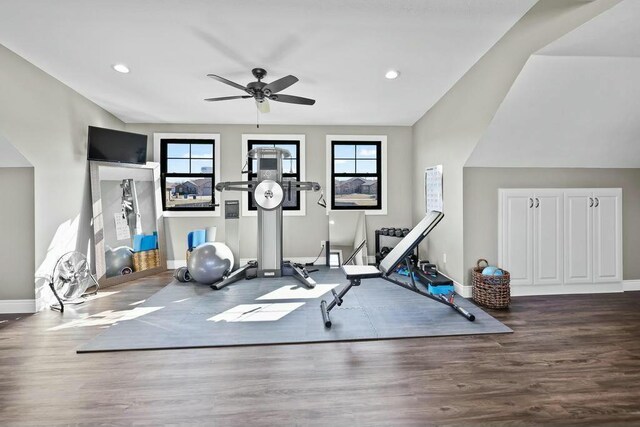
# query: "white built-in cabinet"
{"points": [[550, 239], [593, 241]]}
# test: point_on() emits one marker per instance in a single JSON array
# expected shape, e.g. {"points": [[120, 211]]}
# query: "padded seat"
{"points": [[361, 271]]}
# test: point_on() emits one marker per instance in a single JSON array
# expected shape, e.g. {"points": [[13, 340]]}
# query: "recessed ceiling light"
{"points": [[121, 68], [392, 74]]}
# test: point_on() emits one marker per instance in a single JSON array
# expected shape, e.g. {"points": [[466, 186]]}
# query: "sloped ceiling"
{"points": [[615, 32], [340, 51], [10, 157], [576, 103]]}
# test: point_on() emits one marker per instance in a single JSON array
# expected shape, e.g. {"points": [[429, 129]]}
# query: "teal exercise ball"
{"points": [[489, 270]]}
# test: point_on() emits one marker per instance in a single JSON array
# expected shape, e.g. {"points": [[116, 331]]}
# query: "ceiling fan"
{"points": [[262, 92]]}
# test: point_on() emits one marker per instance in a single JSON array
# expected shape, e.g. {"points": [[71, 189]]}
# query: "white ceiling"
{"points": [[338, 49], [577, 104]]}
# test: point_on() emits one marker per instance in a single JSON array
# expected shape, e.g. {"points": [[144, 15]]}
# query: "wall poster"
{"points": [[433, 189]]}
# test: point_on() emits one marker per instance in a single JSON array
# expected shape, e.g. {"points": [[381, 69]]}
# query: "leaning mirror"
{"points": [[127, 221], [347, 238]]}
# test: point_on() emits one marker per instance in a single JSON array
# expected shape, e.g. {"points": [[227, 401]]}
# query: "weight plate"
{"points": [[268, 195]]}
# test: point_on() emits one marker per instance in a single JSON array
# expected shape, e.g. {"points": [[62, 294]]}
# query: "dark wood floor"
{"points": [[571, 360]]}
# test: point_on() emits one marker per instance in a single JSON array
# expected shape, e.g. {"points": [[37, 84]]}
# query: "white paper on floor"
{"points": [[298, 292], [257, 312]]}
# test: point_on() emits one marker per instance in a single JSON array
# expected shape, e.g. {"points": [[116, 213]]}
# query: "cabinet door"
{"points": [[578, 236], [548, 237], [516, 235], [607, 235]]}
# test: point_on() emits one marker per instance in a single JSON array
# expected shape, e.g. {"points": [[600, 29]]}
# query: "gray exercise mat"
{"points": [[281, 311]]}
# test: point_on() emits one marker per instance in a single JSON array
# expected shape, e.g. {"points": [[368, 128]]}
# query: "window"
{"points": [[292, 167], [189, 169], [356, 172]]}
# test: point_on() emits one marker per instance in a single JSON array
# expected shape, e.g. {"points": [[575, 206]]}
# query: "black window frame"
{"points": [[164, 174], [252, 175], [378, 174]]}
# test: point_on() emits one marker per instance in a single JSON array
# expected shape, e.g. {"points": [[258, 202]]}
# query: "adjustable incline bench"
{"points": [[398, 255]]}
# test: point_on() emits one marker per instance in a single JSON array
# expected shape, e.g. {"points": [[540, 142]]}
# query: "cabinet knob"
{"points": [[530, 202], [597, 202], [537, 202], [590, 202]]}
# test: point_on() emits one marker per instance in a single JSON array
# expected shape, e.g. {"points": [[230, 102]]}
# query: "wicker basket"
{"points": [[144, 260], [491, 291]]}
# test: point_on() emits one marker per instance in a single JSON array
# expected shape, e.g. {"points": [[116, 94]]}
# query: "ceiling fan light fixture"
{"points": [[392, 74], [121, 68]]}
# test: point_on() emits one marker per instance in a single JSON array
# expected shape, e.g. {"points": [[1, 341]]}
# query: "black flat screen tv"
{"points": [[109, 145]]}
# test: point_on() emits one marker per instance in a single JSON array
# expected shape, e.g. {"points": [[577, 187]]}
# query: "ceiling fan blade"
{"points": [[263, 106], [224, 98], [293, 99], [281, 84], [229, 82]]}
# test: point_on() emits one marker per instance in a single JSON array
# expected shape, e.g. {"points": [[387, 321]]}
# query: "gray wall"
{"points": [[17, 255], [302, 235], [47, 122], [481, 205], [448, 132]]}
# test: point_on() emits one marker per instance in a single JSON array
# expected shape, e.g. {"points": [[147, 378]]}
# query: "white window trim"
{"points": [[157, 137], [328, 190], [277, 137]]}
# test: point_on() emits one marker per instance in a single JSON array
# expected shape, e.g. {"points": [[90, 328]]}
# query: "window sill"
{"points": [[382, 211], [191, 214], [284, 213]]}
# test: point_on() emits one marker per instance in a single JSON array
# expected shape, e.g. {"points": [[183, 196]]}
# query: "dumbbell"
{"points": [[405, 231], [384, 231], [384, 252], [182, 275], [398, 232]]}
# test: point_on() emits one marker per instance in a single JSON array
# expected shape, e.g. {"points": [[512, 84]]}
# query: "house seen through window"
{"points": [[356, 175], [188, 176]]}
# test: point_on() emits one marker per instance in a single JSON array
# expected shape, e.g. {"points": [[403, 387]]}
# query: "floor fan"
{"points": [[71, 280]]}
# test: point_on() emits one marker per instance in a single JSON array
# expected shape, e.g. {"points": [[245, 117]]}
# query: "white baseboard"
{"points": [[459, 288], [10, 306], [462, 290], [299, 260], [172, 264], [566, 289], [631, 285]]}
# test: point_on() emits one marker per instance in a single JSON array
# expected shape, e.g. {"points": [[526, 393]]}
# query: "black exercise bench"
{"points": [[401, 253]]}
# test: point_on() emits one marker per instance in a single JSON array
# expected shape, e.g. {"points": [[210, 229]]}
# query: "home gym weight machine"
{"points": [[269, 191]]}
